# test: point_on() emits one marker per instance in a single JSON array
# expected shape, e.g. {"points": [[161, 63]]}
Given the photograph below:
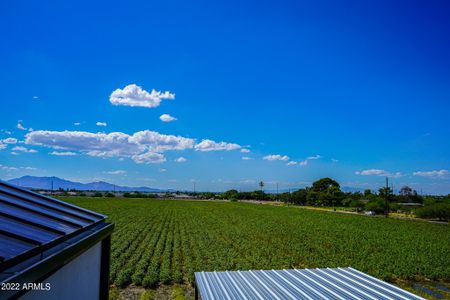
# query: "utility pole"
{"points": [[52, 187], [386, 198], [277, 193]]}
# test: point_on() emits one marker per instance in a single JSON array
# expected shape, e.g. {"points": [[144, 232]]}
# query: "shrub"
{"points": [[377, 206], [439, 211], [357, 205]]}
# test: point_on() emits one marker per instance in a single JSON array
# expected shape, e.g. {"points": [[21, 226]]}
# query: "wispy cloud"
{"points": [[167, 118], [116, 172], [180, 159], [20, 125], [314, 157], [29, 168], [23, 149], [433, 174], [77, 123], [378, 172], [246, 158], [305, 161], [7, 168], [273, 157], [134, 95], [209, 145], [102, 124], [149, 158], [63, 153], [9, 141], [245, 150]]}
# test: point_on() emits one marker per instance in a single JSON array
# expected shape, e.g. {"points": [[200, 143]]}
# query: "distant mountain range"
{"points": [[46, 183]]}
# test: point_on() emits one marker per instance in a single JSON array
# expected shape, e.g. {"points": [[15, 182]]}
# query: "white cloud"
{"points": [[7, 168], [273, 157], [292, 163], [109, 144], [62, 153], [167, 118], [209, 145], [303, 163], [95, 144], [378, 172], [28, 168], [116, 172], [77, 123], [9, 141], [180, 159], [143, 146], [103, 124], [35, 97], [2, 146], [5, 131], [246, 158], [23, 149], [149, 158], [334, 160], [244, 150], [317, 156], [160, 142], [134, 95], [162, 170], [433, 174], [20, 126], [248, 181]]}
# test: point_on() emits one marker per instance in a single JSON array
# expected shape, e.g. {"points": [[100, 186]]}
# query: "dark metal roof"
{"points": [[312, 284], [31, 223]]}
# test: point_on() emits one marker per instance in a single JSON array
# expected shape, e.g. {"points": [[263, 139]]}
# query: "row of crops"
{"points": [[157, 241]]}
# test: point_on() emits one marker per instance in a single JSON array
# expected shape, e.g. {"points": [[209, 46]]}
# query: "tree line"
{"points": [[327, 192]]}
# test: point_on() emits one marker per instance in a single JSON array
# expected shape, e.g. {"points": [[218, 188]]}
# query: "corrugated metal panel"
{"points": [[31, 223], [311, 284]]}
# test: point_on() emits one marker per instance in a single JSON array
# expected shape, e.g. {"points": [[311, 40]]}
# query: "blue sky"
{"points": [[351, 90]]}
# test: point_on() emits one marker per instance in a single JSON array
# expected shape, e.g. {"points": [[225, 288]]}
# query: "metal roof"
{"points": [[312, 284], [31, 223]]}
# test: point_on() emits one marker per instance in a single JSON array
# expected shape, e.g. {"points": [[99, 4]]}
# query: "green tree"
{"points": [[358, 205], [231, 195], [440, 211], [299, 197], [367, 192], [323, 184]]}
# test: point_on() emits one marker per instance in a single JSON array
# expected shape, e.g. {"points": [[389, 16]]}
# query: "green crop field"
{"points": [[165, 241]]}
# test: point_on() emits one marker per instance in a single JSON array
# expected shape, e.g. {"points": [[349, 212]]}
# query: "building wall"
{"points": [[79, 279]]}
